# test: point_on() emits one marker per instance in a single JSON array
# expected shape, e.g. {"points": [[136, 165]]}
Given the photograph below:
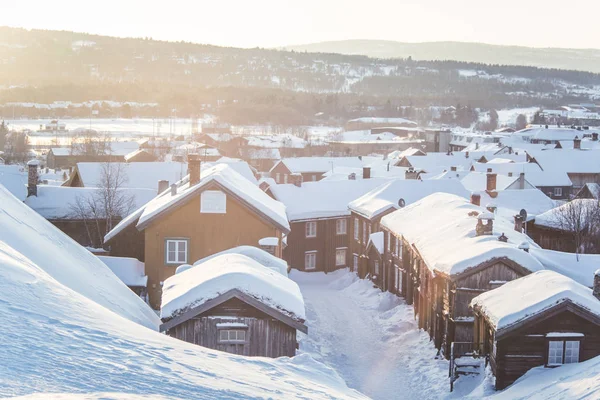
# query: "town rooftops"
{"points": [[579, 267], [322, 199], [229, 180], [526, 297], [137, 175], [569, 161], [379, 120], [388, 195], [196, 286], [442, 229], [267, 260], [560, 217], [323, 164]]}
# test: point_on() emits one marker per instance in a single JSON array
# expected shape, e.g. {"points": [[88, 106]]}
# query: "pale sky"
{"points": [[271, 23]]}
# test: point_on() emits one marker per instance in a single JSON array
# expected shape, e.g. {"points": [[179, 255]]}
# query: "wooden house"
{"points": [[140, 155], [233, 303], [543, 319], [320, 225], [205, 213], [373, 267], [366, 211], [313, 168], [442, 251]]}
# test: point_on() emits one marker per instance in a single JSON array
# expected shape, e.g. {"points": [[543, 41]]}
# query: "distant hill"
{"points": [[575, 59]]}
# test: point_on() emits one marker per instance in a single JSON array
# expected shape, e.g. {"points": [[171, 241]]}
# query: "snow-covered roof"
{"points": [[569, 161], [265, 259], [579, 267], [442, 230], [510, 202], [324, 164], [365, 136], [218, 275], [138, 175], [117, 148], [533, 173], [435, 163], [594, 189], [14, 179], [285, 140], [549, 134], [387, 196], [130, 271], [381, 120], [322, 199], [134, 154], [262, 154], [226, 177], [240, 166], [523, 298], [60, 202], [27, 237], [376, 240], [559, 217], [476, 181]]}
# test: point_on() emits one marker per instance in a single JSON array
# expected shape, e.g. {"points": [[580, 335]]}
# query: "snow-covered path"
{"points": [[370, 338]]}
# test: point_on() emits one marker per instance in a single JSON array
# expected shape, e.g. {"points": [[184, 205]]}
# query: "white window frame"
{"points": [[314, 178], [341, 261], [356, 230], [213, 202], [341, 226], [310, 229], [376, 265], [558, 352], [310, 255], [178, 243], [355, 261], [558, 192], [285, 178], [233, 336], [278, 177]]}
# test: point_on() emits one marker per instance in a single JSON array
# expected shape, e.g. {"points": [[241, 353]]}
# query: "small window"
{"points": [[311, 229], [388, 241], [314, 178], [285, 178], [558, 192], [356, 228], [355, 262], [232, 336], [364, 236], [278, 177], [376, 267], [310, 260], [340, 226], [213, 202], [176, 251], [563, 352], [340, 257]]}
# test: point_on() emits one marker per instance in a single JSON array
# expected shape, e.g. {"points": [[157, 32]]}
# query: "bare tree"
{"points": [[110, 202], [580, 218]]}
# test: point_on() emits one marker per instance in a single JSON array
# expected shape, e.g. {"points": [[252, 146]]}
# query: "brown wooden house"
{"points": [[440, 253], [544, 319], [234, 304], [205, 214]]}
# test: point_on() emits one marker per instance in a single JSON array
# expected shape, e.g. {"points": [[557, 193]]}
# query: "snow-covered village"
{"points": [[214, 212]]}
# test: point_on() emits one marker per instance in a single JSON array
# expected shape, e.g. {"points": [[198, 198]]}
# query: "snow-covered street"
{"points": [[370, 338]]}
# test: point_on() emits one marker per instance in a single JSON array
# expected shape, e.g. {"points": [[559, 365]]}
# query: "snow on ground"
{"points": [[370, 338], [58, 338]]}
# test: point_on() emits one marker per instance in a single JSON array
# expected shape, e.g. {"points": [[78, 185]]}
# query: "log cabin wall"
{"points": [[265, 336]]}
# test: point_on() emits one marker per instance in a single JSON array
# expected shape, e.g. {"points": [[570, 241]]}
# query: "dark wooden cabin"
{"points": [[550, 333], [237, 323]]}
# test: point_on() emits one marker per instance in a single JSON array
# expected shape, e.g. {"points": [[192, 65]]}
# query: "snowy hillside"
{"points": [[62, 336]]}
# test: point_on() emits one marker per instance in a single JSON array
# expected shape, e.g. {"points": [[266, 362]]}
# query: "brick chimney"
{"points": [[485, 224], [595, 136], [476, 199], [519, 223], [491, 182], [522, 180], [173, 189], [194, 168], [577, 143], [452, 168], [297, 179], [411, 173], [366, 172], [32, 177], [162, 186], [597, 284]]}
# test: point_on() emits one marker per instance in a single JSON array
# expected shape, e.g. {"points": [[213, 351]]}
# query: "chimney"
{"points": [[411, 173], [194, 168], [297, 179], [491, 207], [486, 228], [173, 189], [452, 168], [162, 186], [352, 176], [510, 174], [519, 223], [489, 170], [522, 180], [466, 154], [503, 238], [577, 143], [32, 177], [366, 172], [595, 136], [476, 199], [597, 284], [491, 182]]}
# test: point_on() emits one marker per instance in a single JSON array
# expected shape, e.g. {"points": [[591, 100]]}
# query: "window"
{"points": [[232, 336], [557, 192], [278, 177], [398, 247], [310, 260], [176, 251], [364, 232], [213, 202], [376, 267], [563, 352], [340, 257], [285, 178], [314, 178], [389, 241], [311, 229], [355, 262], [340, 226], [356, 234]]}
